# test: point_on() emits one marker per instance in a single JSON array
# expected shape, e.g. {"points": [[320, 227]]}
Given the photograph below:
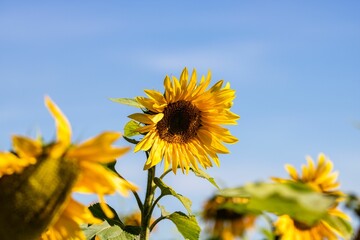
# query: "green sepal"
{"points": [[187, 225], [130, 140], [297, 200], [127, 101], [202, 174], [130, 129], [166, 190]]}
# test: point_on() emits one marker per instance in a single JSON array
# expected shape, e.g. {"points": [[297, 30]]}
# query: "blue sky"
{"points": [[294, 66]]}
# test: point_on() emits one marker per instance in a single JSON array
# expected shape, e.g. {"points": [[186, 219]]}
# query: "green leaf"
{"points": [[127, 101], [269, 235], [297, 200], [130, 140], [130, 128], [107, 232], [186, 225], [202, 174], [342, 226], [166, 190], [97, 211], [92, 230]]}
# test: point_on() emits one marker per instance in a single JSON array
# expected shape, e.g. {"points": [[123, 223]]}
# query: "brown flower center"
{"points": [[180, 122], [301, 226]]}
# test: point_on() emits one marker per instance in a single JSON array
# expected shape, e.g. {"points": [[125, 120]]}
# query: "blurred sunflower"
{"points": [[182, 126], [224, 223], [321, 179], [36, 182], [134, 219]]}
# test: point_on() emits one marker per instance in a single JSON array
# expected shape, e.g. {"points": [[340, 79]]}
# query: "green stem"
{"points": [[136, 195], [156, 222], [148, 203]]}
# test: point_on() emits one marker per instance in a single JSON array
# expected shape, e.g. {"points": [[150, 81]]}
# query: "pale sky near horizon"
{"points": [[295, 67]]}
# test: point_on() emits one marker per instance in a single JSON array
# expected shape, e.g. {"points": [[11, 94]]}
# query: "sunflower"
{"points": [[321, 179], [37, 179], [224, 223], [183, 125]]}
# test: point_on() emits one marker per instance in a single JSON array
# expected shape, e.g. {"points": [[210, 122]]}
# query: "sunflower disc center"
{"points": [[301, 226], [180, 122]]}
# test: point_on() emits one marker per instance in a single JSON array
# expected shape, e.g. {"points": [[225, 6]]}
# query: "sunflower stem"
{"points": [[148, 203], [136, 195], [156, 222]]}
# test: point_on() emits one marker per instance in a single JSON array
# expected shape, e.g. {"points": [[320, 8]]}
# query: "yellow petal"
{"points": [[62, 124], [141, 117], [98, 149], [26, 147], [10, 163], [146, 143], [292, 171], [96, 179]]}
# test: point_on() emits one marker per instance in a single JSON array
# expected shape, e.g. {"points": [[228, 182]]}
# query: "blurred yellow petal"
{"points": [[26, 147], [292, 171], [62, 124], [98, 149]]}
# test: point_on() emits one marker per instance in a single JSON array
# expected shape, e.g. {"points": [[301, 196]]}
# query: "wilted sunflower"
{"points": [[183, 125], [224, 223], [321, 179], [36, 182]]}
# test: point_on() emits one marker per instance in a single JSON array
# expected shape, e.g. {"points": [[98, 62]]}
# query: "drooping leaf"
{"points": [[202, 174], [130, 128], [342, 226], [127, 101], [297, 200], [97, 211], [166, 190], [186, 224]]}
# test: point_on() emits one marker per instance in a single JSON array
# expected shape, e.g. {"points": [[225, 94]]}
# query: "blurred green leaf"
{"points": [[269, 235], [107, 232], [97, 211], [130, 128], [166, 190], [186, 224], [297, 200], [202, 174], [342, 226], [127, 101]]}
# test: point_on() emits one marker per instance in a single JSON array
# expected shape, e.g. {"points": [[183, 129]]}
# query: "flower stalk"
{"points": [[148, 204]]}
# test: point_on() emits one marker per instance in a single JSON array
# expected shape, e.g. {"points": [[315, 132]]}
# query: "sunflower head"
{"points": [[32, 197], [37, 179], [226, 223], [320, 176], [183, 125]]}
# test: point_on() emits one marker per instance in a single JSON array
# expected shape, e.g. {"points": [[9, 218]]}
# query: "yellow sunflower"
{"points": [[183, 125], [37, 179], [321, 179], [224, 223]]}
